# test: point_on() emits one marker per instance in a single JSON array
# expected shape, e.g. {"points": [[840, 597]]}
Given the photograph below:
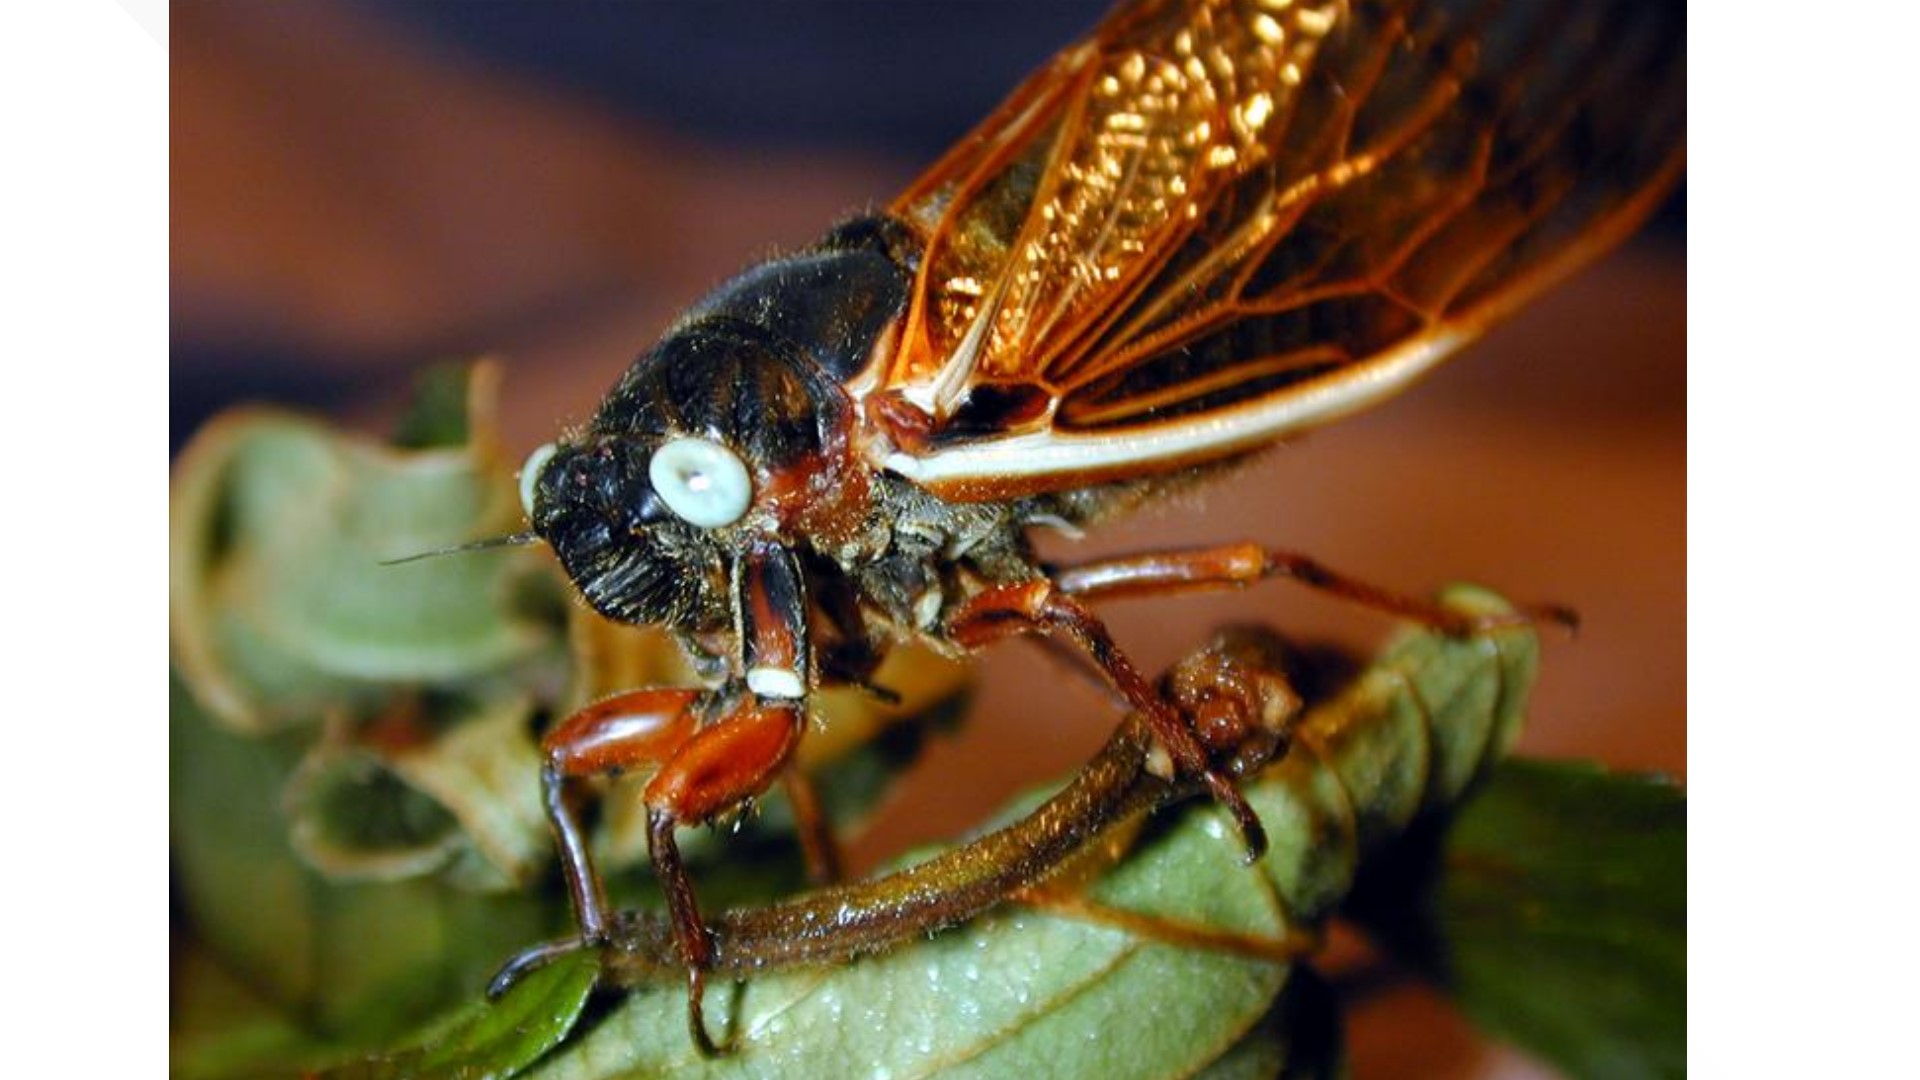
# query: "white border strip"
{"points": [[1045, 453]]}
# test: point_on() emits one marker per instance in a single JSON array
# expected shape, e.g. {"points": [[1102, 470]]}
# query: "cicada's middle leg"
{"points": [[711, 751], [718, 769]]}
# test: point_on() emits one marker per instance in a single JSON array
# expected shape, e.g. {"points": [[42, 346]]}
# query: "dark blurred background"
{"points": [[360, 189]]}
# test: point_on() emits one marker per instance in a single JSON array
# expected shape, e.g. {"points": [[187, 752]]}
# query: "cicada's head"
{"points": [[714, 438], [618, 535]]}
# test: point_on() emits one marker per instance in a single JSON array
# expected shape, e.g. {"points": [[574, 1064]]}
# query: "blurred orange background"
{"points": [[362, 189]]}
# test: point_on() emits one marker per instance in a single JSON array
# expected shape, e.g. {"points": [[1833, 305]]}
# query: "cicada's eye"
{"points": [[530, 475], [701, 481]]}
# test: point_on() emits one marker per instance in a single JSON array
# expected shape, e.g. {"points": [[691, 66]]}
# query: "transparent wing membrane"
{"points": [[1216, 222]]}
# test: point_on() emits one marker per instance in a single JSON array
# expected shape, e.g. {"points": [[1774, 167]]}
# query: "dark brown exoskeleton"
{"points": [[1212, 224]]}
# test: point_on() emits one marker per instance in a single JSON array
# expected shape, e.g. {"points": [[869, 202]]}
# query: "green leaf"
{"points": [[356, 962], [462, 795], [415, 683], [1299, 1039], [1016, 993], [495, 1040], [1408, 734], [285, 608], [1027, 992], [1554, 912]]}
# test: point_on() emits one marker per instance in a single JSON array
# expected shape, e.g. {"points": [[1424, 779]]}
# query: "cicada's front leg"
{"points": [[700, 773], [705, 763], [624, 733]]}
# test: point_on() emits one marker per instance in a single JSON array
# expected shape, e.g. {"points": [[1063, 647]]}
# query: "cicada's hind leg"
{"points": [[1163, 572], [845, 656], [1238, 696], [1038, 607]]}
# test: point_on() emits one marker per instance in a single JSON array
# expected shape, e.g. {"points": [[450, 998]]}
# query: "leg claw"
{"points": [[530, 960]]}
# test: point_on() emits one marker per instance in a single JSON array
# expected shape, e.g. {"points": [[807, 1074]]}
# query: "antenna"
{"points": [[519, 539]]}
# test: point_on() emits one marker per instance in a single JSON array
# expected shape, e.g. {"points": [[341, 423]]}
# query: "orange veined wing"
{"points": [[1217, 222]]}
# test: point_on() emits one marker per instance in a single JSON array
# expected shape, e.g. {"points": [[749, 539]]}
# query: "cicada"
{"points": [[1210, 225]]}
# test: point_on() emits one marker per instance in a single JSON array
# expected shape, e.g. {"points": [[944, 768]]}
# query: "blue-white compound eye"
{"points": [[530, 475], [701, 481]]}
